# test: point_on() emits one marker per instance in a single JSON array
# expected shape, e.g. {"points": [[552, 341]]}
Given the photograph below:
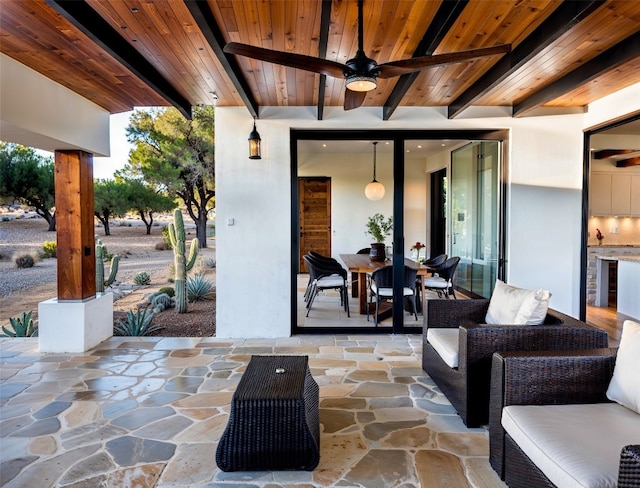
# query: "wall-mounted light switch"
{"points": [[231, 221]]}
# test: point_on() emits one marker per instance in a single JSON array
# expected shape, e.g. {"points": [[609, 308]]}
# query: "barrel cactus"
{"points": [[181, 263], [100, 256]]}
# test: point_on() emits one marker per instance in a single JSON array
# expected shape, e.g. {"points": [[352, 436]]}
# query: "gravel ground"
{"points": [[27, 236], [23, 289]]}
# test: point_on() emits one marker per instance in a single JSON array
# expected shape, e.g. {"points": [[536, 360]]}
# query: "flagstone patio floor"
{"points": [[148, 412]]}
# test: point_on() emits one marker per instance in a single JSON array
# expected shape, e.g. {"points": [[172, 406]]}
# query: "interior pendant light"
{"points": [[254, 143], [374, 190]]}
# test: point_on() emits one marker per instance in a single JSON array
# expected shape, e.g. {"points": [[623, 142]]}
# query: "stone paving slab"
{"points": [[148, 412]]}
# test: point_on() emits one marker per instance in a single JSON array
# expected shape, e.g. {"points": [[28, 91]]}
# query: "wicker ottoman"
{"points": [[274, 420]]}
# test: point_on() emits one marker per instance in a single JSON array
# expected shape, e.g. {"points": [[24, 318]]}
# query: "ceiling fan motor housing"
{"points": [[361, 73]]}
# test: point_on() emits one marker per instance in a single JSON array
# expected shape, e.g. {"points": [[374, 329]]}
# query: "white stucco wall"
{"points": [[253, 255], [39, 113]]}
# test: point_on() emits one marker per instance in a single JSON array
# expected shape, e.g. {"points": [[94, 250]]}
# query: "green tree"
{"points": [[28, 177], [146, 201], [176, 155], [111, 199]]}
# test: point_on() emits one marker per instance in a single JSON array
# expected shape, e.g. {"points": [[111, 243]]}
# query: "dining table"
{"points": [[364, 266]]}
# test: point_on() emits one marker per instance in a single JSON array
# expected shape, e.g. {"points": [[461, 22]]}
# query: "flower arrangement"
{"points": [[599, 236], [416, 247]]}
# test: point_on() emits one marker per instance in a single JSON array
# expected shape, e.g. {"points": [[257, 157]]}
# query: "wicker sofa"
{"points": [[467, 386], [601, 452]]}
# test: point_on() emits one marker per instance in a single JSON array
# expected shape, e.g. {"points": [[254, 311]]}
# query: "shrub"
{"points": [[49, 249], [22, 326], [165, 236], [136, 324], [161, 302], [199, 289], [142, 278], [24, 261], [210, 263], [161, 246], [168, 290]]}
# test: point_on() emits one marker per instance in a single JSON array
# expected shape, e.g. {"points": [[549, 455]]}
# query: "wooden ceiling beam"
{"points": [[609, 153], [610, 59], [565, 17], [325, 23], [83, 17], [207, 23], [625, 163], [443, 21]]}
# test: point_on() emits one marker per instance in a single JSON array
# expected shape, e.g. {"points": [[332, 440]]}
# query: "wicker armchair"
{"points": [[467, 386], [544, 378]]}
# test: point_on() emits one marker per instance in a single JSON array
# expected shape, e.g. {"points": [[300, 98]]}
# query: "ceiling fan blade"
{"points": [[300, 61], [403, 66], [353, 99]]}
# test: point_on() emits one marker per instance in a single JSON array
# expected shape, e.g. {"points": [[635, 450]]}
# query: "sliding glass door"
{"points": [[475, 215]]}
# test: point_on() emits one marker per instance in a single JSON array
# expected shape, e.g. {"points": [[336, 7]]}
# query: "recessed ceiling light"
{"points": [[419, 147], [443, 144], [324, 145], [387, 143], [408, 150]]}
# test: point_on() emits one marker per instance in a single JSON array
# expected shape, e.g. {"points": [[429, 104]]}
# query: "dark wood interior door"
{"points": [[315, 216]]}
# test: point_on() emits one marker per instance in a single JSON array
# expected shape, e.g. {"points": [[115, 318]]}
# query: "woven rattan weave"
{"points": [[274, 419]]}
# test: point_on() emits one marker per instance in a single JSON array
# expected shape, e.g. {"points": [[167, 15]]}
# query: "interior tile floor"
{"points": [[147, 412]]}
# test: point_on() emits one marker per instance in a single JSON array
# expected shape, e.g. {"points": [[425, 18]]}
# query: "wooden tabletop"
{"points": [[361, 263]]}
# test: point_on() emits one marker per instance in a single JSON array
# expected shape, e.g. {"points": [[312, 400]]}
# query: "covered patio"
{"points": [[148, 412]]}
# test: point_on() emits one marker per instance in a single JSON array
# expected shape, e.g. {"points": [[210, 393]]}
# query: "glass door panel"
{"points": [[474, 204]]}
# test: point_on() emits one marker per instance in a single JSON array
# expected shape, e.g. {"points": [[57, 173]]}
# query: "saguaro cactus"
{"points": [[100, 254], [177, 236]]}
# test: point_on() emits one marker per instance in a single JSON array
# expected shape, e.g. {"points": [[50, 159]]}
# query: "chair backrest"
{"points": [[383, 277], [435, 262], [364, 250], [323, 267], [447, 269]]}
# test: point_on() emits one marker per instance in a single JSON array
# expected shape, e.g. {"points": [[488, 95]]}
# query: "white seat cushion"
{"points": [[575, 446], [388, 292], [445, 342], [332, 281], [436, 282], [625, 383], [510, 305]]}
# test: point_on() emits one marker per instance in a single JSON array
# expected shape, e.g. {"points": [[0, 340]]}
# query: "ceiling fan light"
{"points": [[374, 191], [361, 83]]}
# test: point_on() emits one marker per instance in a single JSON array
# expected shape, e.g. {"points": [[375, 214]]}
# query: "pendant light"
{"points": [[374, 190], [254, 143]]}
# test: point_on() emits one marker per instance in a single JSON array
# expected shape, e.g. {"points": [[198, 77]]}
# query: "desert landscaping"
{"points": [[22, 289]]}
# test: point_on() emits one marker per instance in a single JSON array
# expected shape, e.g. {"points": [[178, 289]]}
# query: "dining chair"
{"points": [[326, 276], [381, 288], [430, 264], [442, 280]]}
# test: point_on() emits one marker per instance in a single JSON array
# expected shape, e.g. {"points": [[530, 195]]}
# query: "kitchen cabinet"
{"points": [[614, 194], [635, 195], [600, 194]]}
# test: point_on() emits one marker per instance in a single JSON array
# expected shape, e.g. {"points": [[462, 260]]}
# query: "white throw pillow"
{"points": [[534, 308], [512, 305], [625, 383]]}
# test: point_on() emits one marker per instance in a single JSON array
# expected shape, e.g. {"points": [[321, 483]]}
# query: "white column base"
{"points": [[74, 326]]}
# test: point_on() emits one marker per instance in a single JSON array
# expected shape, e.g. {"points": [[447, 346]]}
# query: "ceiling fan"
{"points": [[360, 71]]}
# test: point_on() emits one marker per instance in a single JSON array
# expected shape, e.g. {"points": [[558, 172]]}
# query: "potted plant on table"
{"points": [[379, 228]]}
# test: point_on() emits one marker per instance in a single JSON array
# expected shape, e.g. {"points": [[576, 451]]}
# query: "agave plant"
{"points": [[199, 289], [136, 324], [22, 326]]}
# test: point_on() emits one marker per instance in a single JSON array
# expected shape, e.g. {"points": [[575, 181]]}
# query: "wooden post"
{"points": [[75, 225]]}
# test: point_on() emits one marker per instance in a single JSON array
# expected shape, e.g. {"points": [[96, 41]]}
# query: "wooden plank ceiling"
{"points": [[127, 53]]}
